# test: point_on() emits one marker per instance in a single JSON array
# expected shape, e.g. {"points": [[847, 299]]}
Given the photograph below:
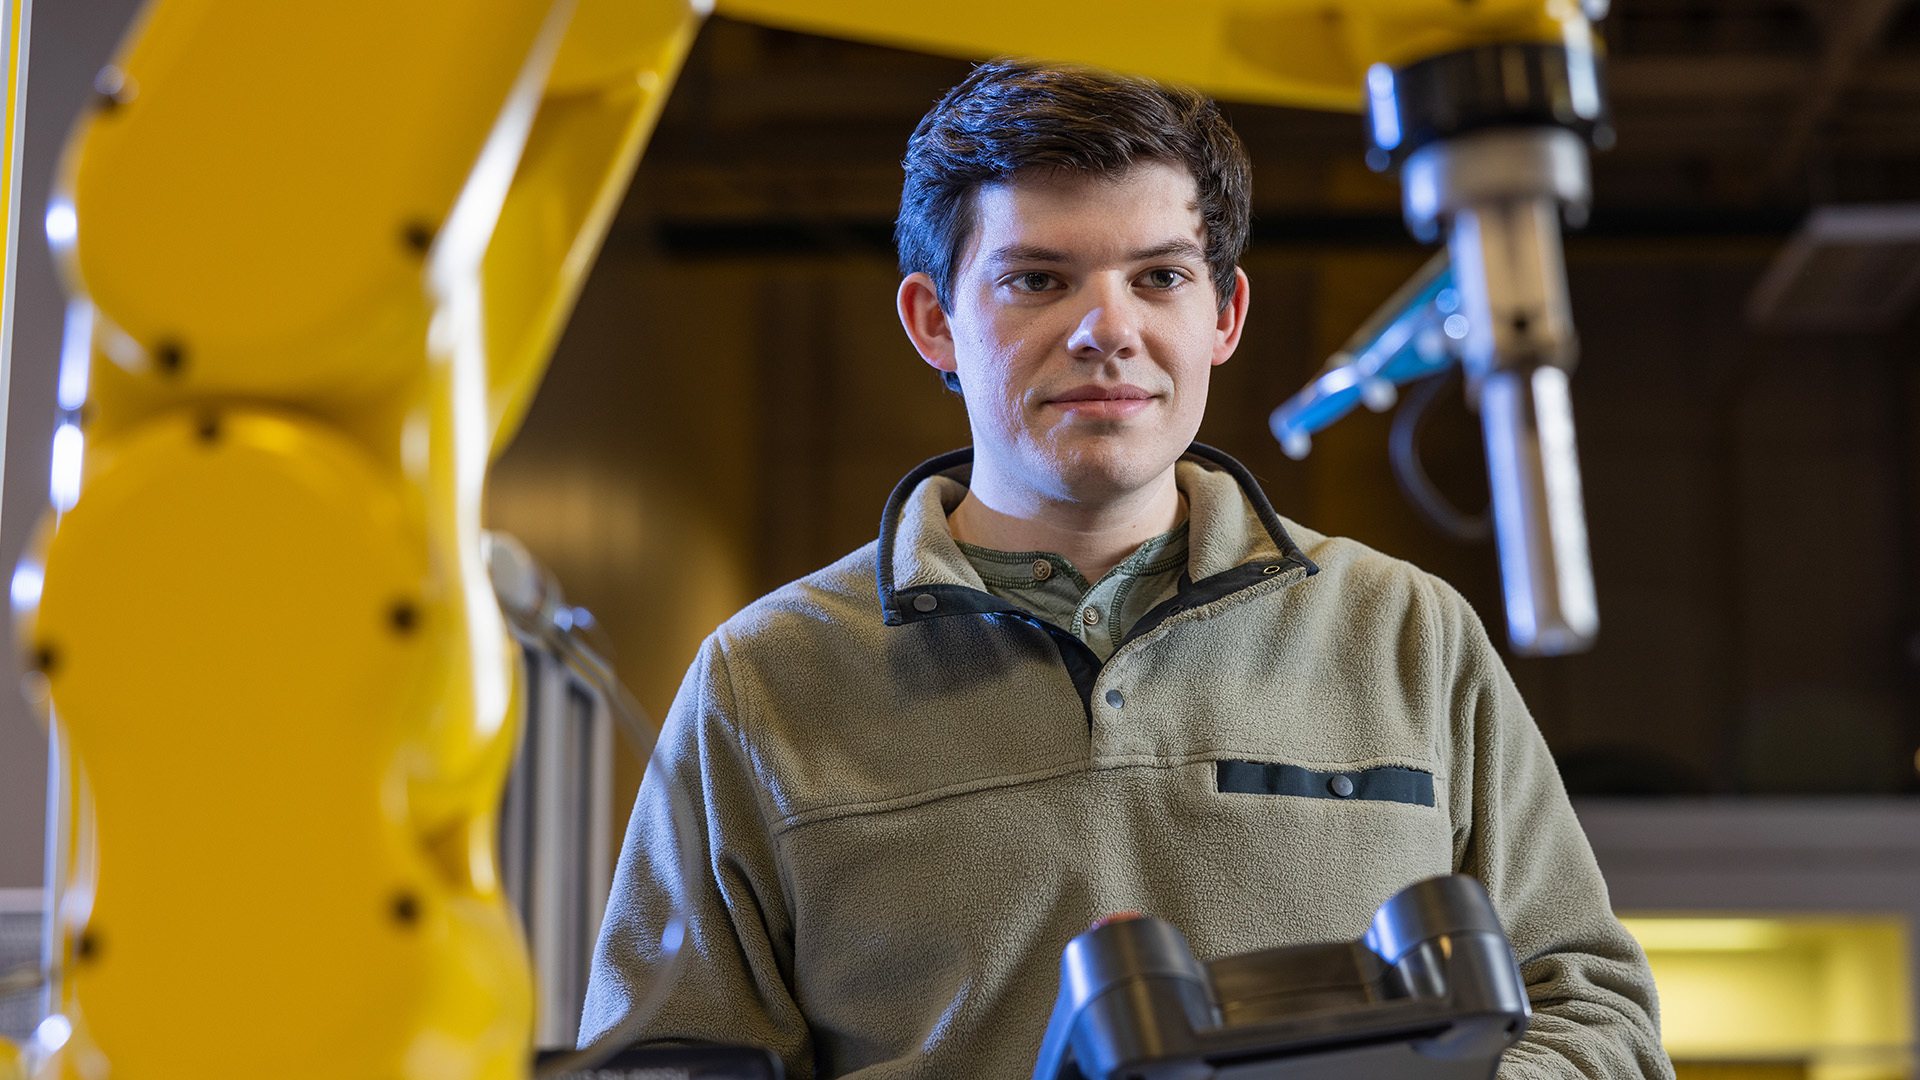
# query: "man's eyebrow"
{"points": [[1179, 246], [1026, 253]]}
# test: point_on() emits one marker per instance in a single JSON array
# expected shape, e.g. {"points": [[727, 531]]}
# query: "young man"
{"points": [[1098, 672]]}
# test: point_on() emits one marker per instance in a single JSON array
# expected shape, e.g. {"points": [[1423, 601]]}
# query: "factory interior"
{"points": [[732, 400]]}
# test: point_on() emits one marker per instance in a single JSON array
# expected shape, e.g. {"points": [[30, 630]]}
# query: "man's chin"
{"points": [[1096, 471]]}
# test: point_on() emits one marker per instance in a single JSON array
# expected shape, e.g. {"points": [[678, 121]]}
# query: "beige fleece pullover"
{"points": [[911, 799]]}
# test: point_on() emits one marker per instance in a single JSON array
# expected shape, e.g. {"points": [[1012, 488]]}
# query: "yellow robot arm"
{"points": [[317, 255], [1305, 53]]}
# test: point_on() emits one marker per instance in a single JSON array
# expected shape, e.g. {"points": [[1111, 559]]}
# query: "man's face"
{"points": [[1084, 328]]}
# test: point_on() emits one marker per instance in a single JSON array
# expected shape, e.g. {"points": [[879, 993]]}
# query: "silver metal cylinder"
{"points": [[1533, 469], [1510, 271], [556, 817], [1499, 195], [1486, 168], [556, 861]]}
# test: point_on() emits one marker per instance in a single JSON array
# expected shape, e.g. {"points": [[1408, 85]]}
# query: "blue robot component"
{"points": [[1430, 992], [1412, 336]]}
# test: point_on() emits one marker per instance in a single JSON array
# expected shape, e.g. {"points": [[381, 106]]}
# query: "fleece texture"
{"points": [[909, 799]]}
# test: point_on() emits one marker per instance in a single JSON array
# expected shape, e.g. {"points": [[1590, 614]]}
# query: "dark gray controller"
{"points": [[1431, 992]]}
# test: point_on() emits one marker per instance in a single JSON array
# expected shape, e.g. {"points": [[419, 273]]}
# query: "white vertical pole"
{"points": [[15, 18], [13, 42]]}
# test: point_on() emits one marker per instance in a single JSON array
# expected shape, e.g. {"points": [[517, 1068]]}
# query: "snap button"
{"points": [[1116, 699], [1341, 786], [925, 602], [1091, 616], [1271, 570], [1042, 569]]}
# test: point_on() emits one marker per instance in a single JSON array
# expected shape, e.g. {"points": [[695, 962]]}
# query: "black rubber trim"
{"points": [[889, 523], [1082, 663], [1499, 85], [1505, 84], [948, 599], [900, 607], [1384, 783], [1189, 594], [896, 607], [1261, 507]]}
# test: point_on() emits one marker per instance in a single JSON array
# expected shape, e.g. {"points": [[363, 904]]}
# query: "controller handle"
{"points": [[1131, 992], [1442, 939]]}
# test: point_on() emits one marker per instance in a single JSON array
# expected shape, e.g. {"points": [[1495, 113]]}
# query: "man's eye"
{"points": [[1164, 278], [1031, 281]]}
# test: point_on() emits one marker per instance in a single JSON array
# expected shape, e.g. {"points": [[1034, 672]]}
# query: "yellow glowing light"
{"points": [[1708, 935], [1829, 996]]}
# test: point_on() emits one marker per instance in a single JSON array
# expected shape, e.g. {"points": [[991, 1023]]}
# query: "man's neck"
{"points": [[1094, 537]]}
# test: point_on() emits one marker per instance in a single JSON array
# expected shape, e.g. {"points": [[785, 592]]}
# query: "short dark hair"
{"points": [[1009, 116]]}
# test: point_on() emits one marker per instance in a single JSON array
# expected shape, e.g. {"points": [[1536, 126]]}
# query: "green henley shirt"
{"points": [[1099, 614]]}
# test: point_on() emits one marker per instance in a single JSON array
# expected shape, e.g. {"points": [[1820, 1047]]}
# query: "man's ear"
{"points": [[1233, 319], [925, 321]]}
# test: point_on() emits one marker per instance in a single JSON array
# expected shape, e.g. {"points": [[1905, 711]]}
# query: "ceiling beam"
{"points": [[1666, 78], [1856, 30]]}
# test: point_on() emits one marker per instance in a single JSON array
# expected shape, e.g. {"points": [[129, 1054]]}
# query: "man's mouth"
{"points": [[1105, 402]]}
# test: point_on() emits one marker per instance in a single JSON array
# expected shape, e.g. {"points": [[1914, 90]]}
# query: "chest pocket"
{"points": [[1383, 783]]}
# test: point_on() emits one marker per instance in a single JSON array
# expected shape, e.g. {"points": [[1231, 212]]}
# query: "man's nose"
{"points": [[1109, 328]]}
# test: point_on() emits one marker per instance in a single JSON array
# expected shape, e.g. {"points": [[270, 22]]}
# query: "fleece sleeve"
{"points": [[1595, 1014], [734, 983]]}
